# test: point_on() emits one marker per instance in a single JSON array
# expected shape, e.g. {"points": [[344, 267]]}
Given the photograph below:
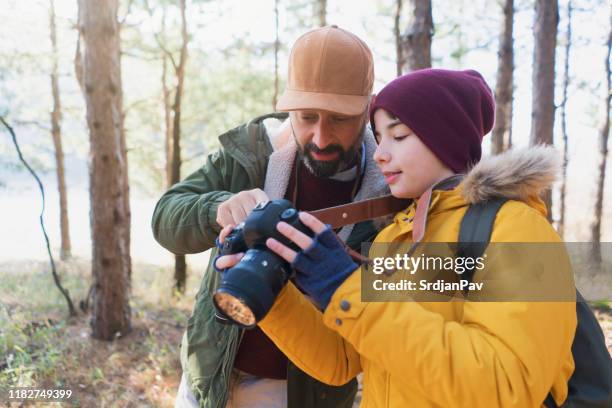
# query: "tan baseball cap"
{"points": [[329, 69]]}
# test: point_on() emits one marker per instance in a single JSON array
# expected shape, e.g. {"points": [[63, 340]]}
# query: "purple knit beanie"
{"points": [[450, 111]]}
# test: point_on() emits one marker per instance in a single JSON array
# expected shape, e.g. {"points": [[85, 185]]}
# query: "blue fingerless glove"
{"points": [[322, 267]]}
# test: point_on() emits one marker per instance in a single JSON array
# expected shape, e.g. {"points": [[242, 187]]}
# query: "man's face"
{"points": [[328, 141]]}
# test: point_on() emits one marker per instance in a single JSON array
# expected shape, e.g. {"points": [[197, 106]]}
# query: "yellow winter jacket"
{"points": [[442, 354]]}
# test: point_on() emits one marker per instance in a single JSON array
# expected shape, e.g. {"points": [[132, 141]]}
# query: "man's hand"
{"points": [[235, 209]]}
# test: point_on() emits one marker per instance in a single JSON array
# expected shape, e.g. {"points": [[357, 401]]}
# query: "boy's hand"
{"points": [[322, 264]]}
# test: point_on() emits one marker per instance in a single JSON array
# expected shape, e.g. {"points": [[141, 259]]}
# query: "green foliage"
{"points": [[463, 30], [28, 349], [96, 375], [603, 305], [226, 94], [39, 348], [5, 91], [223, 87], [303, 15]]}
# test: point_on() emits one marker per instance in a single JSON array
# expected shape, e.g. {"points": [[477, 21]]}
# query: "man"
{"points": [[320, 156]]}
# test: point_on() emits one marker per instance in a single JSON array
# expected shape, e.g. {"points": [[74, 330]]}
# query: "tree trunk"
{"points": [[568, 43], [501, 140], [399, 58], [180, 268], [603, 158], [543, 78], [322, 12], [416, 41], [109, 193], [56, 133], [125, 186], [168, 141], [276, 49]]}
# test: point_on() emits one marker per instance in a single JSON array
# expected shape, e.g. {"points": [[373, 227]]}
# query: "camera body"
{"points": [[247, 290]]}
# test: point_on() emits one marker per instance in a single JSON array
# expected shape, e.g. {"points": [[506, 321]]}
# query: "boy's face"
{"points": [[408, 165]]}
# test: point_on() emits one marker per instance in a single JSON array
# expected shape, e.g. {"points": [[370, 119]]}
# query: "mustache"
{"points": [[332, 148]]}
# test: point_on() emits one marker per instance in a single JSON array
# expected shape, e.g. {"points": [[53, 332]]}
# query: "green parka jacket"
{"points": [[184, 222]]}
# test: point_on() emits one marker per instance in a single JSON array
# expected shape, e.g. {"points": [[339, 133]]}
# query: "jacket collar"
{"points": [[518, 174], [249, 145]]}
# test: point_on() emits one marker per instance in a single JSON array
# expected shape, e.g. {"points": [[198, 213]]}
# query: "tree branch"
{"points": [[71, 310], [166, 52]]}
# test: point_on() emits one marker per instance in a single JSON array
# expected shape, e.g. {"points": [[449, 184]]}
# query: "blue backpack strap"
{"points": [[591, 382], [590, 386], [475, 231], [474, 237], [549, 402]]}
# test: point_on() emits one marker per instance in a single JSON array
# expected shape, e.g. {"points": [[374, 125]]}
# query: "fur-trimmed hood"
{"points": [[518, 174]]}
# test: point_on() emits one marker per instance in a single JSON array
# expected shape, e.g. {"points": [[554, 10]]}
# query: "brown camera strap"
{"points": [[359, 211]]}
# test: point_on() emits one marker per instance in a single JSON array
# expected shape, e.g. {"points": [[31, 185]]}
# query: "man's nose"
{"points": [[322, 136]]}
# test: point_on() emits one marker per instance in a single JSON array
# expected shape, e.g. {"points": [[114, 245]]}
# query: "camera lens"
{"points": [[248, 289], [235, 309]]}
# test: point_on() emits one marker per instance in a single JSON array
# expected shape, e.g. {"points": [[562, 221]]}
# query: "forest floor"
{"points": [[40, 348]]}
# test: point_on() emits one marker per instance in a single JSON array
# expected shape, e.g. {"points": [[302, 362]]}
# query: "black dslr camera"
{"points": [[248, 289]]}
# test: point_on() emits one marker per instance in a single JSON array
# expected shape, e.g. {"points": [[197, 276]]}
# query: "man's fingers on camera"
{"points": [[312, 222], [224, 218], [227, 261], [246, 200], [225, 232], [239, 214], [235, 209], [302, 240], [250, 198], [259, 196], [281, 250], [224, 213]]}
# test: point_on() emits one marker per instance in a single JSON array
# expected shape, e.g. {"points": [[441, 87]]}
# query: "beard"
{"points": [[327, 168]]}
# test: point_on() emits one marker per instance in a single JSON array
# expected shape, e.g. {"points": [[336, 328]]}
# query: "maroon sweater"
{"points": [[257, 354]]}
